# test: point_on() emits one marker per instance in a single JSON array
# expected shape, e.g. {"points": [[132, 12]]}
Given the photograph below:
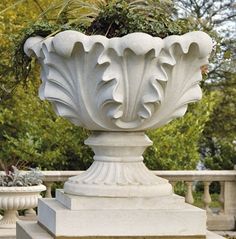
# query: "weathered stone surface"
{"points": [[118, 169], [120, 84], [32, 230], [74, 202], [116, 86], [135, 217], [220, 222], [17, 198]]}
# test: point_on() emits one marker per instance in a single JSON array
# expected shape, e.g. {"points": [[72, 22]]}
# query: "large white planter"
{"points": [[118, 88], [17, 198]]}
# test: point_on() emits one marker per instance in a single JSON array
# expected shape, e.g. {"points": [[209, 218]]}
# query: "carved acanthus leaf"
{"points": [[180, 62], [130, 83], [70, 75], [133, 75]]}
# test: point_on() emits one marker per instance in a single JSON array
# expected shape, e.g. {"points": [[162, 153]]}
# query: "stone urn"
{"points": [[118, 88], [17, 198]]}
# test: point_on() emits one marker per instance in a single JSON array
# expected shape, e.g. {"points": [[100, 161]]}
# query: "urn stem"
{"points": [[118, 169], [9, 219]]}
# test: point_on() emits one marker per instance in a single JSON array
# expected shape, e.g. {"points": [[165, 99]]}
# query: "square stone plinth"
{"points": [[32, 230], [220, 222], [93, 217], [74, 202]]}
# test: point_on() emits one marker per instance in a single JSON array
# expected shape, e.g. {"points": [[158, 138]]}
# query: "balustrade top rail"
{"points": [[226, 199], [172, 175], [194, 175]]}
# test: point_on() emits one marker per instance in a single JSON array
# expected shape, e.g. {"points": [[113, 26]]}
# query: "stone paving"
{"points": [[10, 234]]}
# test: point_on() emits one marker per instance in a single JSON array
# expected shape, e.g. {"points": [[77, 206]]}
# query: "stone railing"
{"points": [[222, 219]]}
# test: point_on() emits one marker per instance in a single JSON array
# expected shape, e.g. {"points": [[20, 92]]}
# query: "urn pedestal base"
{"points": [[70, 216], [32, 230], [118, 169]]}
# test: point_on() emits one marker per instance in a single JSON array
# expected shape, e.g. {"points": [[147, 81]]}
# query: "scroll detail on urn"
{"points": [[118, 88]]}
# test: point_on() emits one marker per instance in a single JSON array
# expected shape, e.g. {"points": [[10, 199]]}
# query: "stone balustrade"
{"points": [[221, 219]]}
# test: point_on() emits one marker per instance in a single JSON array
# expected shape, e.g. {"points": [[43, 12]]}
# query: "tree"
{"points": [[218, 144], [30, 132], [175, 146], [35, 133], [208, 14], [32, 135], [218, 18]]}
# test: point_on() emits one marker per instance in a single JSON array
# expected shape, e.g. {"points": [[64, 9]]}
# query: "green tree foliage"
{"points": [[176, 144], [14, 16], [30, 131], [32, 135], [120, 17], [218, 144], [218, 18]]}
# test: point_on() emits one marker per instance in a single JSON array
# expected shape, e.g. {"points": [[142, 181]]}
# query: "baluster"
{"points": [[48, 193], [221, 196], [189, 194], [30, 213], [207, 196], [173, 183]]}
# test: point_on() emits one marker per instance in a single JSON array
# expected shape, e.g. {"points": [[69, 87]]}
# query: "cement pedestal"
{"points": [[32, 230], [70, 216]]}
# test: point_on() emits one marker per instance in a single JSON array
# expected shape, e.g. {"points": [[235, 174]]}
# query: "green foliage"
{"points": [[120, 17], [14, 178], [218, 154], [31, 133], [225, 112], [175, 145], [14, 16], [198, 202], [218, 145], [74, 12]]}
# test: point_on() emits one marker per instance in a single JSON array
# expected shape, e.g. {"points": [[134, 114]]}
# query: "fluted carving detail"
{"points": [[120, 84], [28, 189], [121, 174], [17, 198], [9, 219], [118, 168]]}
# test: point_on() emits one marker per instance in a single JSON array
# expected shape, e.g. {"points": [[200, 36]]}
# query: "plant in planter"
{"points": [[18, 191]]}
